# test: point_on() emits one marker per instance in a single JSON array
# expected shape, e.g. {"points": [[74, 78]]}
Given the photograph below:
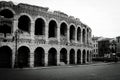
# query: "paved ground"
{"points": [[98, 71]]}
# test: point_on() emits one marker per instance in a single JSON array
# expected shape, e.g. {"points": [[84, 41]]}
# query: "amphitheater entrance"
{"points": [[78, 57], [63, 55], [39, 57], [5, 57], [23, 57], [52, 57], [72, 56], [84, 55]]}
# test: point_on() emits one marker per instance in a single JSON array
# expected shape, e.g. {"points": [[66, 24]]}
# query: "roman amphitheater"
{"points": [[33, 36]]}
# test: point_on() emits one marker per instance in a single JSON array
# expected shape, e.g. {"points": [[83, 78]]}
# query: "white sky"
{"points": [[103, 16]]}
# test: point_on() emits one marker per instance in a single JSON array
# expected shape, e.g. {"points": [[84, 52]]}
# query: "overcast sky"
{"points": [[103, 16]]}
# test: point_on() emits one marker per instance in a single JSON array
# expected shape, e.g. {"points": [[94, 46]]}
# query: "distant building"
{"points": [[106, 47], [118, 46], [95, 46]]}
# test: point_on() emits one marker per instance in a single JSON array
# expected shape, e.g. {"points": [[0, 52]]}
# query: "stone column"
{"points": [[46, 59], [68, 35], [58, 59], [86, 57], [31, 62], [75, 35], [68, 58], [75, 57], [81, 58], [58, 34], [81, 38], [15, 25], [32, 30], [46, 32], [13, 58]]}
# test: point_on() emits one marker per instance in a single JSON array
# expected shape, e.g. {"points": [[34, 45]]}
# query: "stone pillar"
{"points": [[46, 59], [31, 62], [58, 34], [68, 58], [68, 35], [13, 58], [75, 57], [86, 57], [32, 30], [75, 35], [15, 25], [81, 38], [46, 33], [81, 58], [58, 59]]}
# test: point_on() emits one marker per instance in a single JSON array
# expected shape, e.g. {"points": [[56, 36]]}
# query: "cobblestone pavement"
{"points": [[95, 71]]}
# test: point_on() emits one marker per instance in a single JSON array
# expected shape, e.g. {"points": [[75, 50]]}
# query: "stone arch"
{"points": [[39, 55], [84, 56], [7, 12], [63, 55], [39, 26], [72, 33], [78, 56], [23, 56], [24, 23], [52, 57], [72, 56], [83, 35], [79, 34], [63, 29], [52, 29], [5, 57]]}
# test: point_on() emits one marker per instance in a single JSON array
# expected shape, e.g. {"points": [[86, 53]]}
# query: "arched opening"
{"points": [[5, 57], [78, 34], [72, 56], [39, 27], [39, 57], [72, 33], [63, 29], [84, 56], [83, 36], [6, 13], [5, 29], [78, 57], [52, 57], [87, 56], [87, 35], [23, 57], [52, 29], [24, 23], [63, 55]]}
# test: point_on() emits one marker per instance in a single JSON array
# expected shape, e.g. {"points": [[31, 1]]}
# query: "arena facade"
{"points": [[32, 36]]}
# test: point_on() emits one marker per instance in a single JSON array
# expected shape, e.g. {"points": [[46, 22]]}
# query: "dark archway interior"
{"points": [[5, 29], [5, 57], [6, 13], [72, 56], [63, 29], [84, 54], [63, 55], [23, 57], [39, 27], [72, 33], [52, 57], [39, 57], [87, 56], [78, 57], [24, 23], [52, 29], [78, 34], [83, 36]]}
